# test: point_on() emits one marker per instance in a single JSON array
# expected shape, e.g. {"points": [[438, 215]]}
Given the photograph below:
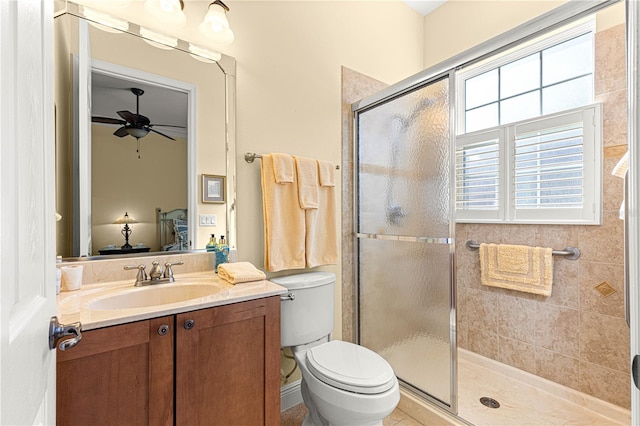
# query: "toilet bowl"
{"points": [[342, 383]]}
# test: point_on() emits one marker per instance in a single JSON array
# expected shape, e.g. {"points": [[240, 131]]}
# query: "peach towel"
{"points": [[282, 167], [322, 227], [521, 268], [240, 272], [284, 222], [307, 177], [326, 173]]}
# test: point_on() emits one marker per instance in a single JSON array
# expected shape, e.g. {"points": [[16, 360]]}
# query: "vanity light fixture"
{"points": [[168, 12], [105, 22], [215, 24], [126, 230], [203, 55], [158, 40]]}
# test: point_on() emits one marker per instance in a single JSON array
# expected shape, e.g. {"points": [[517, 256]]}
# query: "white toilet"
{"points": [[342, 383]]}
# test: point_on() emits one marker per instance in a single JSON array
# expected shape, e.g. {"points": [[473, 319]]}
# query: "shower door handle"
{"points": [[627, 312]]}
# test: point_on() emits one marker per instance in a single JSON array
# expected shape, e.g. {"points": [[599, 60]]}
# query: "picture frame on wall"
{"points": [[213, 189]]}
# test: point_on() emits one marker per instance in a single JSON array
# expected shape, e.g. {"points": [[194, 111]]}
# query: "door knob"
{"points": [[59, 331]]}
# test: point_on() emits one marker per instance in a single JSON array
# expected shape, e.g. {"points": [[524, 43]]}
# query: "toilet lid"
{"points": [[350, 367]]}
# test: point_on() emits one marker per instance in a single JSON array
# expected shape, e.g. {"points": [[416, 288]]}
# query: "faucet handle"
{"points": [[156, 271], [142, 273], [168, 272]]}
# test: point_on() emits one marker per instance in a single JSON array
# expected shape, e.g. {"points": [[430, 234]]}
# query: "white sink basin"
{"points": [[153, 296]]}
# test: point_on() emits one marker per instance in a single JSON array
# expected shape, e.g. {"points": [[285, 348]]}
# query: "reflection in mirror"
{"points": [[141, 152]]}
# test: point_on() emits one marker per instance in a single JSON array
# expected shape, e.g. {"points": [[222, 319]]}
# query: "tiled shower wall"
{"points": [[576, 337]]}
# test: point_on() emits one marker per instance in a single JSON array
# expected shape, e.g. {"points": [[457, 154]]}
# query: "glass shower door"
{"points": [[404, 238]]}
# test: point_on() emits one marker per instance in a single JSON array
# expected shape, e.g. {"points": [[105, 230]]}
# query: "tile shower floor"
{"points": [[524, 400]]}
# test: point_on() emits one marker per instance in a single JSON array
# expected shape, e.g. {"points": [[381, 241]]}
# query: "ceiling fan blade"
{"points": [[121, 132], [168, 125], [107, 120], [128, 115], [161, 134]]}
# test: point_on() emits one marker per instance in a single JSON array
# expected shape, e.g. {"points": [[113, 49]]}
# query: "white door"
{"points": [[27, 221]]}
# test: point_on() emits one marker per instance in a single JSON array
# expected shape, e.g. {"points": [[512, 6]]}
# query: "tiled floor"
{"points": [[295, 415]]}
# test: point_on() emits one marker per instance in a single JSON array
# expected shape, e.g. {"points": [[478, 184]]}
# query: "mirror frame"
{"points": [[227, 66]]}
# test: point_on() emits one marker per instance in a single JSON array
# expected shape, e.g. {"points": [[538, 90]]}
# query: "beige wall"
{"points": [[459, 25]]}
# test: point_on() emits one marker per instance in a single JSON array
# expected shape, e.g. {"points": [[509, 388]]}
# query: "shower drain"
{"points": [[489, 402]]}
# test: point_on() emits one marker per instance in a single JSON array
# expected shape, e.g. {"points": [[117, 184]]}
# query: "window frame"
{"points": [[512, 55]]}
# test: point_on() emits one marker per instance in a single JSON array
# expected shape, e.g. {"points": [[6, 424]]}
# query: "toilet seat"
{"points": [[350, 367]]}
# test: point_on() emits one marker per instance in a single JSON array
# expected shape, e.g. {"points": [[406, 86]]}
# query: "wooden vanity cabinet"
{"points": [[120, 375], [223, 369]]}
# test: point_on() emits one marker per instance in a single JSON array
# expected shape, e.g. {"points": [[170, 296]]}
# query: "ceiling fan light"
{"points": [[137, 133], [104, 21], [168, 12], [158, 40], [203, 55]]}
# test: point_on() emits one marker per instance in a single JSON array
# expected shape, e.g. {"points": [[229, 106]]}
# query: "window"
{"points": [[546, 170], [550, 75], [529, 145]]}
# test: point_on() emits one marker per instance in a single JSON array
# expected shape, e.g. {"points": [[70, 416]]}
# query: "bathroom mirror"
{"points": [[153, 174]]}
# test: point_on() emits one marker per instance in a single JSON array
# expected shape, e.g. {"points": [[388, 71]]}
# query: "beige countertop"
{"points": [[77, 305]]}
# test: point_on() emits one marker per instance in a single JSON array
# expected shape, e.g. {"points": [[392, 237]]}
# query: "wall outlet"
{"points": [[207, 220]]}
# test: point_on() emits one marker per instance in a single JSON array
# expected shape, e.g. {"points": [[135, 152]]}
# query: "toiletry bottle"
{"points": [[222, 252], [211, 245]]}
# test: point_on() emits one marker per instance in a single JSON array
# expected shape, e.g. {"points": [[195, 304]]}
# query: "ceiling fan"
{"points": [[136, 125]]}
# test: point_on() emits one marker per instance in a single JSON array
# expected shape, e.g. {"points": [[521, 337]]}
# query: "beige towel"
{"points": [[282, 167], [307, 177], [284, 222], [521, 268], [240, 272], [322, 229], [326, 173]]}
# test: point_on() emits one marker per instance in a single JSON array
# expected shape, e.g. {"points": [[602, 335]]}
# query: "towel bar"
{"points": [[571, 253], [250, 157]]}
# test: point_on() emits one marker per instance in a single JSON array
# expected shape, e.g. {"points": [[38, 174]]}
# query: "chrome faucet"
{"points": [[156, 275]]}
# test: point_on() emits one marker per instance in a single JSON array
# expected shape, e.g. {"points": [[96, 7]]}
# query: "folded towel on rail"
{"points": [[282, 167], [521, 268], [240, 272], [307, 178], [326, 173], [284, 222]]}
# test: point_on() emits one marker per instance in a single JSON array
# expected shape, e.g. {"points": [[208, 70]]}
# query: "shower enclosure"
{"points": [[404, 229]]}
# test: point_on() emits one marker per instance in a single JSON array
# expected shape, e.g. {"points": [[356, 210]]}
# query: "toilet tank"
{"points": [[309, 316]]}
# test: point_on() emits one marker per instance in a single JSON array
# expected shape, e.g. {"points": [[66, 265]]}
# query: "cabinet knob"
{"points": [[163, 329], [188, 324]]}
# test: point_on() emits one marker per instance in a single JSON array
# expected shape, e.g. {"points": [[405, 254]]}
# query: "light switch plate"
{"points": [[207, 220]]}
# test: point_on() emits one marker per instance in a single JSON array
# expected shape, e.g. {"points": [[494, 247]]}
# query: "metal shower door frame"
{"points": [[357, 110]]}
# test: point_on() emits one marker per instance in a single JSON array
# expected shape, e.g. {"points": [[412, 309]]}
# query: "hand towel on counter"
{"points": [[284, 222], [321, 241], [240, 272], [307, 177], [326, 173], [521, 268], [282, 167]]}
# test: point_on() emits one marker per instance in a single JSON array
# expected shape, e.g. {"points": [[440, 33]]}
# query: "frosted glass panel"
{"points": [[570, 94], [481, 118], [404, 165], [567, 60], [481, 90], [404, 311], [403, 189], [520, 76], [520, 107]]}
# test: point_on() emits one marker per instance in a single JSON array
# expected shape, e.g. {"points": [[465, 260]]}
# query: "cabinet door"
{"points": [[228, 365], [120, 375]]}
